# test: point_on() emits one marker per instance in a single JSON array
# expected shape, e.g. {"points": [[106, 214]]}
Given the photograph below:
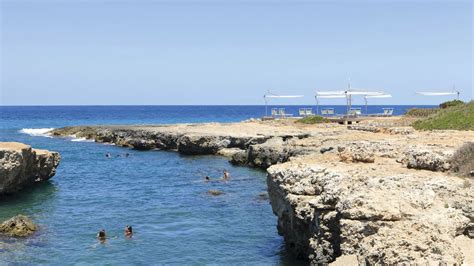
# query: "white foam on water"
{"points": [[81, 139], [37, 132]]}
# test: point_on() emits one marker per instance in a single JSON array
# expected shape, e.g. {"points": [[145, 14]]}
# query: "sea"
{"points": [[161, 194]]}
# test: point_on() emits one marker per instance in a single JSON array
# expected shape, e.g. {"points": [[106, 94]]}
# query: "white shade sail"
{"points": [[330, 96], [364, 93], [321, 93], [430, 93], [378, 96], [283, 96]]}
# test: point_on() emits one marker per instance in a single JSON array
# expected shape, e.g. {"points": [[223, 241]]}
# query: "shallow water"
{"points": [[161, 194]]}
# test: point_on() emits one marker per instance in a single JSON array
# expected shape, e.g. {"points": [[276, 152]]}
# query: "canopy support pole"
{"points": [[366, 110], [317, 105], [266, 105]]}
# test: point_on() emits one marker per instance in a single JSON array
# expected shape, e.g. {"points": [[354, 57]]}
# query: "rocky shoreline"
{"points": [[379, 195], [23, 166]]}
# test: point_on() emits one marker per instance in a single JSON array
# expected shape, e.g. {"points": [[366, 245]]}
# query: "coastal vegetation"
{"points": [[425, 112], [458, 117], [421, 112], [450, 104], [313, 119], [463, 160]]}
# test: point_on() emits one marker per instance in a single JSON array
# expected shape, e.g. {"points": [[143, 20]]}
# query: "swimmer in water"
{"points": [[226, 175], [127, 154], [101, 236], [207, 179], [128, 231], [107, 155]]}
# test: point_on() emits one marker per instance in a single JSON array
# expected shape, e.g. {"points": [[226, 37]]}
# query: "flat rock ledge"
{"points": [[375, 195], [21, 166]]}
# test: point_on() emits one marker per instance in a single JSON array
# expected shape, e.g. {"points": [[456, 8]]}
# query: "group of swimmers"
{"points": [[102, 236], [225, 176], [108, 155]]}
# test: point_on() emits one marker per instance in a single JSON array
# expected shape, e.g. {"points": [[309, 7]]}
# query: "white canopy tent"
{"points": [[327, 95], [430, 93], [346, 94], [272, 95], [375, 96], [440, 93]]}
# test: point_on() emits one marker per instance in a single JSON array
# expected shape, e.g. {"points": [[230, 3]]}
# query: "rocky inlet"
{"points": [[376, 195]]}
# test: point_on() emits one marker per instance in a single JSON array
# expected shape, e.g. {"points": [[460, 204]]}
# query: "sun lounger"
{"points": [[274, 112], [282, 113], [302, 112], [387, 111], [354, 112], [327, 111], [305, 112]]}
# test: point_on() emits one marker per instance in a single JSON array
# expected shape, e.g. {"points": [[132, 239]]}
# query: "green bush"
{"points": [[421, 112], [459, 117], [312, 119], [463, 160], [451, 104]]}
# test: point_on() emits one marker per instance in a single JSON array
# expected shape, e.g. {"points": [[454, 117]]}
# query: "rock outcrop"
{"points": [[21, 166], [18, 226], [427, 158], [383, 219]]}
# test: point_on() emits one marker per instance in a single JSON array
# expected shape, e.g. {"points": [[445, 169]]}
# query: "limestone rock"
{"points": [[240, 158], [22, 166], [229, 152], [357, 152], [18, 226], [391, 219], [199, 144], [434, 159]]}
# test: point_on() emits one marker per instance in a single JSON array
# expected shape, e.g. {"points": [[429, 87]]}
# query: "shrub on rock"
{"points": [[450, 104], [463, 160]]}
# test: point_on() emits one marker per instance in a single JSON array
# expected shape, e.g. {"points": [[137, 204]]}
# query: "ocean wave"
{"points": [[81, 139], [37, 132]]}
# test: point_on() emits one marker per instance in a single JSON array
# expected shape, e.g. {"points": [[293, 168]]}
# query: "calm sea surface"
{"points": [[159, 193]]}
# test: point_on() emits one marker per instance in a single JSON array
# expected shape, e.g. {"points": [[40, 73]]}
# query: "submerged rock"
{"points": [[21, 166], [18, 226], [214, 192]]}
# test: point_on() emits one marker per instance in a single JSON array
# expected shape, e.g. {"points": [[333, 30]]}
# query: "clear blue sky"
{"points": [[210, 52]]}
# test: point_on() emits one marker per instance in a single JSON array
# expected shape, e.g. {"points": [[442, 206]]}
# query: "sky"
{"points": [[107, 52]]}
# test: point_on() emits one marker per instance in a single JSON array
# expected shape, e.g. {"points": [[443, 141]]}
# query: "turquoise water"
{"points": [[161, 194]]}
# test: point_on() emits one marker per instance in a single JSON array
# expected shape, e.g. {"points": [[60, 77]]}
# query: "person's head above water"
{"points": [[128, 230], [101, 234], [208, 178]]}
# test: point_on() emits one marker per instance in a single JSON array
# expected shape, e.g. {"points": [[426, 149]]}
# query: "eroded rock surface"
{"points": [[18, 226], [386, 218], [21, 166]]}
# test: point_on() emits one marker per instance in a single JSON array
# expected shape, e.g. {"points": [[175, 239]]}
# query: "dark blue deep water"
{"points": [[161, 194]]}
